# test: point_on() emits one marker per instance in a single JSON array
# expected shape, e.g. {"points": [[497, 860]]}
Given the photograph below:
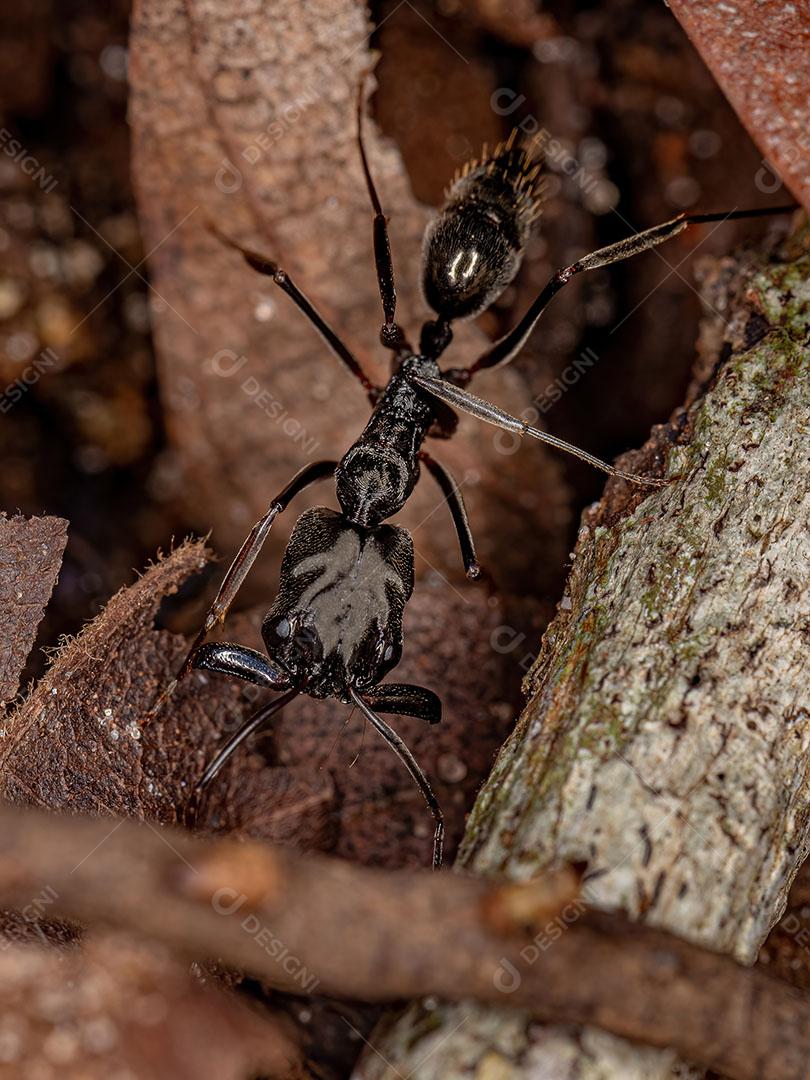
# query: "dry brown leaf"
{"points": [[520, 22], [77, 742], [760, 55], [30, 557]]}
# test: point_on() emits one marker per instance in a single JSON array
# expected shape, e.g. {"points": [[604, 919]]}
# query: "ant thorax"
{"points": [[377, 475]]}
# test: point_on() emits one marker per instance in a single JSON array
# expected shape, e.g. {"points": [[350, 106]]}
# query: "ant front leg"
{"points": [[505, 350], [457, 398], [240, 567], [458, 510], [400, 748], [391, 335], [281, 278], [252, 667]]}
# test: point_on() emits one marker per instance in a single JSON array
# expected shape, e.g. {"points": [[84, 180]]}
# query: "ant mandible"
{"points": [[335, 627]]}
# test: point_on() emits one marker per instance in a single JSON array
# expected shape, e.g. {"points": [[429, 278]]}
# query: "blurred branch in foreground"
{"points": [[320, 923]]}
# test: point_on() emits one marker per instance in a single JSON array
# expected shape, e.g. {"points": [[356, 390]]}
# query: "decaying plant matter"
{"points": [[736, 505], [30, 557]]}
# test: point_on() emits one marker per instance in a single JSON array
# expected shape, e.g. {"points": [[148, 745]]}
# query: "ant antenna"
{"points": [[337, 738]]}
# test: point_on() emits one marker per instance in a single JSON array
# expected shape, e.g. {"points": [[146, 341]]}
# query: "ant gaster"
{"points": [[335, 628]]}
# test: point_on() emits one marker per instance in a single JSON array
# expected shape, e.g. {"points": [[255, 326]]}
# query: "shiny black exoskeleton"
{"points": [[377, 474], [335, 627], [472, 250], [337, 619], [474, 247]]}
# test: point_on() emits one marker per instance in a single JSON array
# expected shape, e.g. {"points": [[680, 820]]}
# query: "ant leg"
{"points": [[510, 345], [240, 567], [406, 700], [410, 763], [491, 414], [391, 334], [247, 554], [452, 494], [281, 278], [247, 664], [256, 721]]}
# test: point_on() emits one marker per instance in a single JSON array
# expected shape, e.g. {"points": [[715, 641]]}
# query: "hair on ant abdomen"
{"points": [[474, 246]]}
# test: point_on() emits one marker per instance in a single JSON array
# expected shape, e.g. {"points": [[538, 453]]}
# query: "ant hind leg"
{"points": [[484, 410], [505, 350]]}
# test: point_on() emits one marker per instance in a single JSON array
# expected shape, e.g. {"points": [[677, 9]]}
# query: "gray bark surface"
{"points": [[666, 740]]}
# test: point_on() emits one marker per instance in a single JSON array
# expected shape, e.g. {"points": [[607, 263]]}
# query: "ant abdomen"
{"points": [[474, 247]]}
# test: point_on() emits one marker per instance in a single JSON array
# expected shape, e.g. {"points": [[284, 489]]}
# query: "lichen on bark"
{"points": [[666, 740]]}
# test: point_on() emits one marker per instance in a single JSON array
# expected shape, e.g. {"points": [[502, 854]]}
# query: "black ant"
{"points": [[335, 628]]}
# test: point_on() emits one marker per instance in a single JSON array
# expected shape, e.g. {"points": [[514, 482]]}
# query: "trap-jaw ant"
{"points": [[335, 628]]}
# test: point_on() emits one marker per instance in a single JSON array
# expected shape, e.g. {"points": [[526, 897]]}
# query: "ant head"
{"points": [[372, 484], [474, 247], [325, 666], [337, 619]]}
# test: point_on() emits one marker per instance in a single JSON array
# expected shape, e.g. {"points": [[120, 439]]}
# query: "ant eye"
{"points": [[385, 652], [282, 628]]}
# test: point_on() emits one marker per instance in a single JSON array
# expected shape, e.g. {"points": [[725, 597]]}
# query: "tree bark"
{"points": [[666, 741]]}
